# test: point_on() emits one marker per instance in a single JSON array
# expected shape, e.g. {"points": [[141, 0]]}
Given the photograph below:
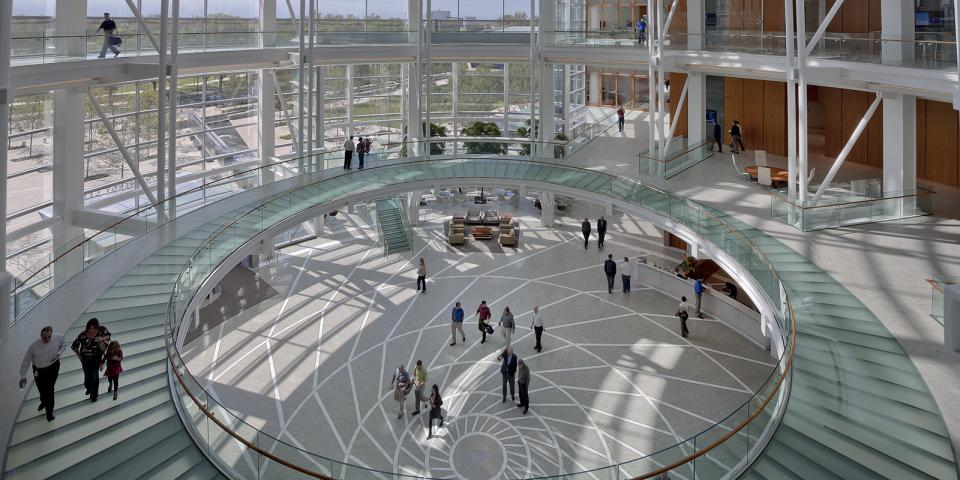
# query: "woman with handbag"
{"points": [[435, 411], [89, 347], [401, 386], [682, 312]]}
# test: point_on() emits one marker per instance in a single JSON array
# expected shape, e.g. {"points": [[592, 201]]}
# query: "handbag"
{"points": [[683, 315], [489, 329], [115, 41]]}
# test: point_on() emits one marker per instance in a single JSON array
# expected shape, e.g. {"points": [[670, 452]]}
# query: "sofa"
{"points": [[508, 235], [455, 235], [473, 217], [490, 217]]}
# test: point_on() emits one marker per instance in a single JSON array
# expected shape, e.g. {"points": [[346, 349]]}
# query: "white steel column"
{"points": [[268, 23], [696, 25], [548, 94], [506, 100], [161, 108], [311, 98], [320, 131], [801, 101], [301, 62], [68, 135], [6, 97], [266, 99], [349, 100], [70, 24], [791, 107], [696, 87], [412, 74], [172, 127], [897, 31], [899, 143], [653, 133], [454, 103]]}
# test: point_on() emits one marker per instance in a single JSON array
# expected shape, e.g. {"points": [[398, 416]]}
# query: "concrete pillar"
{"points": [[951, 318], [266, 100], [696, 20], [68, 137], [897, 31], [547, 209], [268, 23], [70, 25], [696, 106], [548, 97], [595, 97], [349, 100], [413, 207], [899, 144]]}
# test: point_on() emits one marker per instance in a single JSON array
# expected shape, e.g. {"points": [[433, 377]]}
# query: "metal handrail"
{"points": [[171, 349]]}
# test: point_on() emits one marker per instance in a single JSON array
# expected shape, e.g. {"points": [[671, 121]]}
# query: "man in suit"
{"points": [[508, 368], [610, 269], [523, 381], [585, 228], [601, 231]]}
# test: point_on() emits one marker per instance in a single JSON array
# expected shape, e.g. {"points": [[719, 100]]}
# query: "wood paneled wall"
{"points": [[938, 137], [761, 108], [843, 110], [677, 81], [855, 16]]}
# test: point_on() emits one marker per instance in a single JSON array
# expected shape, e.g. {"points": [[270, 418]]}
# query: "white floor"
{"points": [[615, 380]]}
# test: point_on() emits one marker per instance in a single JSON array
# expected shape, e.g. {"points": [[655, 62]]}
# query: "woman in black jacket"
{"points": [[435, 403]]}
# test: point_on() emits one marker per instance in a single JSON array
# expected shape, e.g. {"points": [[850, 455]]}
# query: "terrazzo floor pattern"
{"points": [[615, 381]]}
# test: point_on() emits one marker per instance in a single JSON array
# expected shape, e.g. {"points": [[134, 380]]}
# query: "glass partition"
{"points": [[681, 154], [850, 203]]}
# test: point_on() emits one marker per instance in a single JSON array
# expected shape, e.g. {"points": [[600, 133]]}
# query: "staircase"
{"points": [[393, 228], [138, 436]]}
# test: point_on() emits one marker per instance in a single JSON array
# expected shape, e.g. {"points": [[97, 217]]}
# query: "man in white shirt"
{"points": [[347, 152], [44, 355], [625, 271], [537, 327]]}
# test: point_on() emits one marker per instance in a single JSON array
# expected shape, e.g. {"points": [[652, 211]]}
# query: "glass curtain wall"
{"points": [[29, 178], [474, 16]]}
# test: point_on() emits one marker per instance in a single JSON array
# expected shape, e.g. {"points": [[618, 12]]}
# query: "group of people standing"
{"points": [[402, 385], [96, 351], [362, 147]]}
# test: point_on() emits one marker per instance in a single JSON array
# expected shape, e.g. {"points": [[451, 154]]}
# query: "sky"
{"points": [[483, 9]]}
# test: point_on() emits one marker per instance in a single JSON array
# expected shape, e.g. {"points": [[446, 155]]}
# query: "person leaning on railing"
{"points": [[109, 28]]}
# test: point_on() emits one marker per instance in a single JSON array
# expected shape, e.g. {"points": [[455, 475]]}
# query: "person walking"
{"points": [[737, 134], [601, 231], [347, 152], [620, 120], [360, 151], [111, 360], [400, 383], [683, 312], [109, 29], [523, 384], [507, 325], [610, 269], [698, 295], [625, 271], [585, 228], [718, 136], [435, 411], [43, 355], [419, 382], [456, 324], [508, 369], [537, 326], [89, 346], [483, 314], [642, 31], [422, 276]]}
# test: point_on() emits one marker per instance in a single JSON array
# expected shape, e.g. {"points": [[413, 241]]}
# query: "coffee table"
{"points": [[481, 233]]}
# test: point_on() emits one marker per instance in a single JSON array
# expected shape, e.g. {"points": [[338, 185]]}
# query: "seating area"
{"points": [[483, 226]]}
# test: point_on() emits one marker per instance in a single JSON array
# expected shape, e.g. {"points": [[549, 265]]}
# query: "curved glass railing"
{"points": [[246, 452], [77, 254]]}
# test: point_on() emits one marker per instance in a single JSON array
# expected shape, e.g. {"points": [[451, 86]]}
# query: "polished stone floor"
{"points": [[615, 380]]}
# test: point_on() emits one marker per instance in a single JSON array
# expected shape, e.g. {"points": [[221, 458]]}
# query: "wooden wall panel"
{"points": [[773, 17], [833, 127], [677, 80], [775, 117], [873, 23], [921, 138], [854, 105], [732, 104], [751, 122], [941, 138], [855, 16], [837, 24]]}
